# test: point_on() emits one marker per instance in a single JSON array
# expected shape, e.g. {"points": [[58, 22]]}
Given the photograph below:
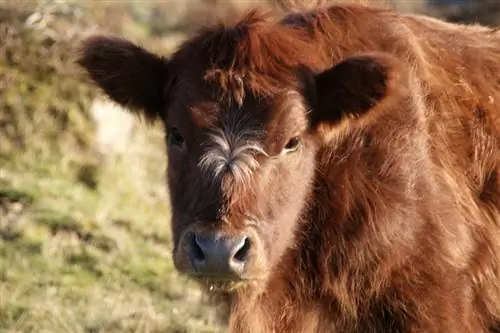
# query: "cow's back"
{"points": [[460, 73]]}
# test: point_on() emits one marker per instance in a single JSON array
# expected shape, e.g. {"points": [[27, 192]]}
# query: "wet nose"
{"points": [[218, 255]]}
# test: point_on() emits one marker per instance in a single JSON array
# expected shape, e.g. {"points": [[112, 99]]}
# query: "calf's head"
{"points": [[244, 108]]}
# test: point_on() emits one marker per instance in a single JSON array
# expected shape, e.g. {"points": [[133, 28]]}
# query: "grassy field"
{"points": [[84, 237]]}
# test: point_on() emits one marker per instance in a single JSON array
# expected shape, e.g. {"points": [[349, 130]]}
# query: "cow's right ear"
{"points": [[127, 73]]}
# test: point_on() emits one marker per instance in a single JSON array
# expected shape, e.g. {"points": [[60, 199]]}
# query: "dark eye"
{"points": [[292, 145], [174, 137]]}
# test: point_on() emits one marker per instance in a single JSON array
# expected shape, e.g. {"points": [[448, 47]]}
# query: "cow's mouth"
{"points": [[220, 284]]}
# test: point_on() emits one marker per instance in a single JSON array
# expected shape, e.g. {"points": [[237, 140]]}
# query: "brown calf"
{"points": [[337, 171]]}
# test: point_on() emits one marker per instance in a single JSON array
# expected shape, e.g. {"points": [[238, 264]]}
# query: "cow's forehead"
{"points": [[232, 148], [256, 117], [234, 138], [212, 110]]}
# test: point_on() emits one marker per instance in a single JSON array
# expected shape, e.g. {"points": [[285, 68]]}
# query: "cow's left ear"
{"points": [[358, 86]]}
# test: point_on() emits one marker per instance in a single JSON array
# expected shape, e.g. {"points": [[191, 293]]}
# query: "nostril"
{"points": [[242, 252], [196, 250]]}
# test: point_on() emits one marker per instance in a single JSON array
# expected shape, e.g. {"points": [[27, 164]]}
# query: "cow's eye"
{"points": [[292, 145], [174, 137]]}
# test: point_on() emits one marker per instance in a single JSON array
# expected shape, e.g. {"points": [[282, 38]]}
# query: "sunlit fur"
{"points": [[386, 217]]}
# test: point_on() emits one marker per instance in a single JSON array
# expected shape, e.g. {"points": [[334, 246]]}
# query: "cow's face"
{"points": [[242, 130], [239, 177]]}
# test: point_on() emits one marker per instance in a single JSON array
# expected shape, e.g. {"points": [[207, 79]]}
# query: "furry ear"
{"points": [[356, 86], [127, 73]]}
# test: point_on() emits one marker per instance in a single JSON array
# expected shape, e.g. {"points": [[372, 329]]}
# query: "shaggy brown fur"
{"points": [[359, 150]]}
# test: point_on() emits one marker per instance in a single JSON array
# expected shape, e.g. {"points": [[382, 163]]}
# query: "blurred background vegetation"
{"points": [[84, 234]]}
